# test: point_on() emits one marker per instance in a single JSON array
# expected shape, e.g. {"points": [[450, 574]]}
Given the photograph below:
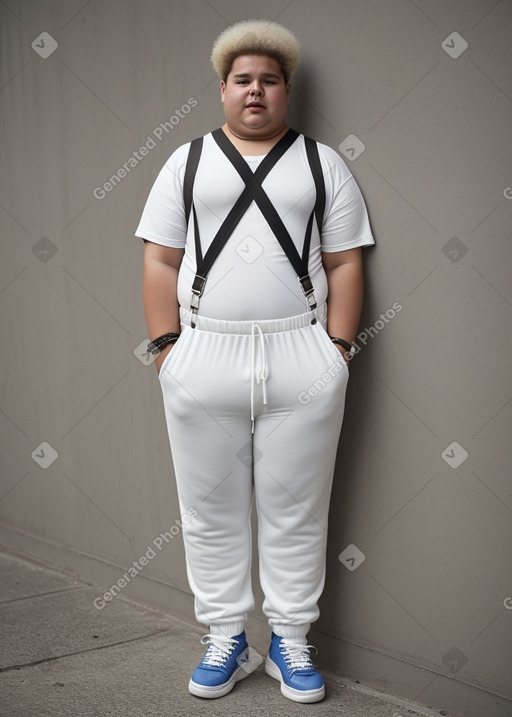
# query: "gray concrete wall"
{"points": [[418, 596]]}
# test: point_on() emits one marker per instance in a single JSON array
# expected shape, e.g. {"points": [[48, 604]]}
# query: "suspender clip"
{"points": [[198, 286], [197, 291], [307, 288]]}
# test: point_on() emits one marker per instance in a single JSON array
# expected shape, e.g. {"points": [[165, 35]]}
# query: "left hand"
{"points": [[344, 353]]}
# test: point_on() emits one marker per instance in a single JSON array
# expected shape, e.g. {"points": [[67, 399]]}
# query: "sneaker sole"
{"points": [[304, 696], [211, 693]]}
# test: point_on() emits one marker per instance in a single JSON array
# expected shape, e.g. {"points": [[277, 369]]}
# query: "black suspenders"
{"points": [[253, 192]]}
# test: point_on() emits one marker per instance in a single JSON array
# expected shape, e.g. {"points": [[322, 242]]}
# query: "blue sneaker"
{"points": [[221, 667], [290, 663]]}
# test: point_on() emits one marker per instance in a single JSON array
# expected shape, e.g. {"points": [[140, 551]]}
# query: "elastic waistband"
{"points": [[267, 326]]}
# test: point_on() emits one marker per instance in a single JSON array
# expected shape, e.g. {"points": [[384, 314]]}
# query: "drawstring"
{"points": [[263, 374]]}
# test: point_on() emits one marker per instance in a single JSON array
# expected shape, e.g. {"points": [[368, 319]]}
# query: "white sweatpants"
{"points": [[288, 377]]}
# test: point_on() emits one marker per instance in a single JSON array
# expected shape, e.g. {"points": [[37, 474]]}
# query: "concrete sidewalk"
{"points": [[60, 656]]}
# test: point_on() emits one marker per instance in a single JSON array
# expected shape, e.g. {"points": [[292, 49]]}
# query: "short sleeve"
{"points": [[346, 223], [163, 218]]}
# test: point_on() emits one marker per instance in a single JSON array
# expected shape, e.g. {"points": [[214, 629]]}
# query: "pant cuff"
{"points": [[228, 629]]}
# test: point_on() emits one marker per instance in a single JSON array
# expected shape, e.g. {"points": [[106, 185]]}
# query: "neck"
{"points": [[265, 138]]}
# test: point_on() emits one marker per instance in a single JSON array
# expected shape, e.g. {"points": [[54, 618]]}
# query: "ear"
{"points": [[222, 90], [288, 90]]}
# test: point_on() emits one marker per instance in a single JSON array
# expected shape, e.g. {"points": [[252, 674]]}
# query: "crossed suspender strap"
{"points": [[253, 191], [194, 155]]}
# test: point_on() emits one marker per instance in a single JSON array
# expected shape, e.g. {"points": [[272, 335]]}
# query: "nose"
{"points": [[256, 88]]}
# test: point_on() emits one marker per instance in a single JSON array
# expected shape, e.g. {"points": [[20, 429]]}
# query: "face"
{"points": [[255, 97]]}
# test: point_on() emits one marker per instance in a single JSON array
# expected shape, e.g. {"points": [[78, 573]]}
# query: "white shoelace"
{"points": [[296, 656], [219, 650], [263, 373]]}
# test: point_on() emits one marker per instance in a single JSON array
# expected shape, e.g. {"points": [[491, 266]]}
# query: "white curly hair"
{"points": [[256, 37]]}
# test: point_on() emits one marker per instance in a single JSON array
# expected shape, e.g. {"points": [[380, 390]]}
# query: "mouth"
{"points": [[255, 106]]}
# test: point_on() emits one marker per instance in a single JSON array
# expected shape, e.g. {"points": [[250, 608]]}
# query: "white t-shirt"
{"points": [[252, 278]]}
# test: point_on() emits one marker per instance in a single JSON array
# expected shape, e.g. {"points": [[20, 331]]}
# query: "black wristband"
{"points": [[348, 347], [155, 346]]}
